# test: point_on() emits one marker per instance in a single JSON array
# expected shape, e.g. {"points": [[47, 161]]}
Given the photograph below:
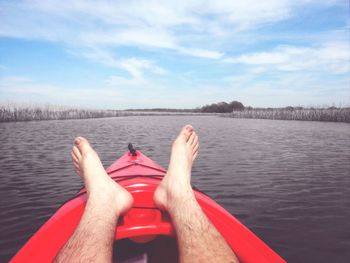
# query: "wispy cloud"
{"points": [[134, 66], [26, 90], [210, 39], [155, 24], [330, 57]]}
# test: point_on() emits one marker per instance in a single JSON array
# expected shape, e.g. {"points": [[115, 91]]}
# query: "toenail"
{"points": [[77, 141]]}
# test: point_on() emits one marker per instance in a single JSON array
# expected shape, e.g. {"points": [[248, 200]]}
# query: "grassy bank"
{"points": [[311, 114], [29, 113], [15, 112], [9, 113]]}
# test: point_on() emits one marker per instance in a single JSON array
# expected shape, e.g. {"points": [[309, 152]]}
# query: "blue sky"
{"points": [[176, 54]]}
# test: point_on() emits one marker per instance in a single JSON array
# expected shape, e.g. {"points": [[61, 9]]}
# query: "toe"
{"points": [[76, 153], [195, 155], [76, 167], [82, 144], [74, 158], [186, 132], [195, 149], [77, 171], [195, 140], [192, 139], [188, 127]]}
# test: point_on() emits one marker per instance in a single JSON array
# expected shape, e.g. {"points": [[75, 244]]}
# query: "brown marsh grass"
{"points": [[16, 112], [331, 114]]}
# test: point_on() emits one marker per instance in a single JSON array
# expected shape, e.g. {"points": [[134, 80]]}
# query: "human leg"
{"points": [[198, 239], [92, 240]]}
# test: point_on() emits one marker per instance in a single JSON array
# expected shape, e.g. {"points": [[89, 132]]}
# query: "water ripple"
{"points": [[288, 181]]}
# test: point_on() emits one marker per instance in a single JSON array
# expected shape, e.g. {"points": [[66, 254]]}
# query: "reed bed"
{"points": [[10, 113], [15, 112], [329, 114]]}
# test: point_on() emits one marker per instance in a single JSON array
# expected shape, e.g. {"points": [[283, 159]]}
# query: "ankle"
{"points": [[176, 201], [102, 207]]}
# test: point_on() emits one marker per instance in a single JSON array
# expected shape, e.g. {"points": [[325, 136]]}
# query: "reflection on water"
{"points": [[288, 181]]}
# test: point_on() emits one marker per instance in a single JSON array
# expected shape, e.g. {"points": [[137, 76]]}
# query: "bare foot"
{"points": [[176, 185], [99, 186]]}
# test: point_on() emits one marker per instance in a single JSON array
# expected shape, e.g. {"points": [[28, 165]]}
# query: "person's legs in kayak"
{"points": [[198, 240], [92, 240]]}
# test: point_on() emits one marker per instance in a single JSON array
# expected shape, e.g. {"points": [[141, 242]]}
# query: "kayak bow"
{"points": [[143, 223]]}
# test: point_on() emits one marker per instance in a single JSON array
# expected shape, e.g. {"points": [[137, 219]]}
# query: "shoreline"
{"points": [[21, 114], [324, 115]]}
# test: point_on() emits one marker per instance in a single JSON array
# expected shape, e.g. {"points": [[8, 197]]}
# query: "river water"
{"points": [[288, 181]]}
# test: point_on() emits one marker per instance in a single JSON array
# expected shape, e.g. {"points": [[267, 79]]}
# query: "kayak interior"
{"points": [[160, 249]]}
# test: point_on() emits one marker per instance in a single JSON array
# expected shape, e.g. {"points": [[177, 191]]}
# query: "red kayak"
{"points": [[144, 233]]}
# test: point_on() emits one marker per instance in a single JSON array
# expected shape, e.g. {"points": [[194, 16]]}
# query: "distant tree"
{"points": [[222, 107], [236, 106], [289, 108], [210, 108]]}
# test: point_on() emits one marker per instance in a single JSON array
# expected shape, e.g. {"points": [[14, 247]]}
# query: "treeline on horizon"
{"points": [[221, 107], [234, 109]]}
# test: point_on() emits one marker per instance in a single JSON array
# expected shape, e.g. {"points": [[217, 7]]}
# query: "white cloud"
{"points": [[27, 90], [124, 83], [159, 71], [181, 26], [120, 93], [101, 56], [280, 90], [140, 23], [90, 24], [330, 57], [202, 53], [98, 30], [139, 37], [134, 66]]}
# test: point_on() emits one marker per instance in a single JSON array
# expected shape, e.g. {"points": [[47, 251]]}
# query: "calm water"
{"points": [[288, 181]]}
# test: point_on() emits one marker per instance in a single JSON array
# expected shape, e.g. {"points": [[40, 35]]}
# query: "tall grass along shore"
{"points": [[49, 112], [14, 112], [331, 114]]}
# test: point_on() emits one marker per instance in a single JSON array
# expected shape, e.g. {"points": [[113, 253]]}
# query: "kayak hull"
{"points": [[143, 222]]}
